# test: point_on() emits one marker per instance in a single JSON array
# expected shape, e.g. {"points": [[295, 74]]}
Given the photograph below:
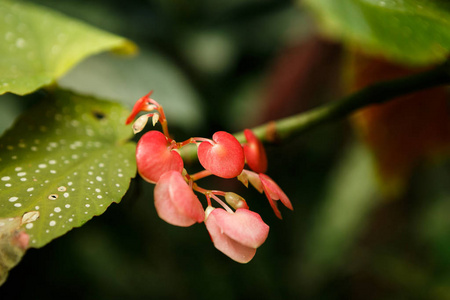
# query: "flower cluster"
{"points": [[234, 229]]}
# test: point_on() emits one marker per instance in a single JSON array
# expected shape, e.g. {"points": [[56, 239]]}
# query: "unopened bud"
{"points": [[208, 210], [140, 123], [248, 176], [235, 201], [155, 119], [243, 178]]}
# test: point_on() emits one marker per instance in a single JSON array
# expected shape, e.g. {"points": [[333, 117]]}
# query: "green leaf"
{"points": [[12, 247], [126, 80], [408, 31], [68, 159], [39, 45]]}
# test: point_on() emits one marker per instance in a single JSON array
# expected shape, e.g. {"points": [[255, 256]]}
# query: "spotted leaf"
{"points": [[39, 45], [67, 159], [13, 244]]}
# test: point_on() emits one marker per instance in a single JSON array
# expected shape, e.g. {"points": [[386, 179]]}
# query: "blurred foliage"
{"points": [[343, 240], [387, 129], [41, 45], [127, 79], [407, 31]]}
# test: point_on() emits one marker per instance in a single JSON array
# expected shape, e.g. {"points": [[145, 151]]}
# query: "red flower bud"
{"points": [[254, 152]]}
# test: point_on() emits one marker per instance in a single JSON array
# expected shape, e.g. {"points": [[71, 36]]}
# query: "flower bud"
{"points": [[155, 119], [254, 152], [140, 123], [235, 201], [248, 176]]}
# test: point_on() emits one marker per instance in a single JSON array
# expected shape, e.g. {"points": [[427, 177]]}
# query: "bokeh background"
{"points": [[227, 65]]}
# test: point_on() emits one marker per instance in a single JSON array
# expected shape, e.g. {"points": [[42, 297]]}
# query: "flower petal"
{"points": [[175, 201], [244, 226], [153, 156], [139, 106], [233, 249], [274, 191], [225, 158]]}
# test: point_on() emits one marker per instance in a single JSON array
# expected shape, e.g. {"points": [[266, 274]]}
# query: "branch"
{"points": [[375, 94]]}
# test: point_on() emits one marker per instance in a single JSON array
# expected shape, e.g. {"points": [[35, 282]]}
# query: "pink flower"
{"points": [[143, 104], [273, 192], [223, 157], [175, 201], [155, 157], [237, 234], [254, 152]]}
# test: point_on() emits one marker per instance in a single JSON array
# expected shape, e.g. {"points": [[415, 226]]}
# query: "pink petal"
{"points": [[236, 234], [225, 158], [153, 156], [272, 204], [243, 226], [274, 191], [254, 152], [138, 107], [175, 201]]}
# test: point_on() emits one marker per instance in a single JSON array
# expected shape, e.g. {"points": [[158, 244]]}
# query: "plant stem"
{"points": [[375, 94]]}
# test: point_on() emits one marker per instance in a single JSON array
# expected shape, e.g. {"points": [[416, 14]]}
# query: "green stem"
{"points": [[375, 94]]}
